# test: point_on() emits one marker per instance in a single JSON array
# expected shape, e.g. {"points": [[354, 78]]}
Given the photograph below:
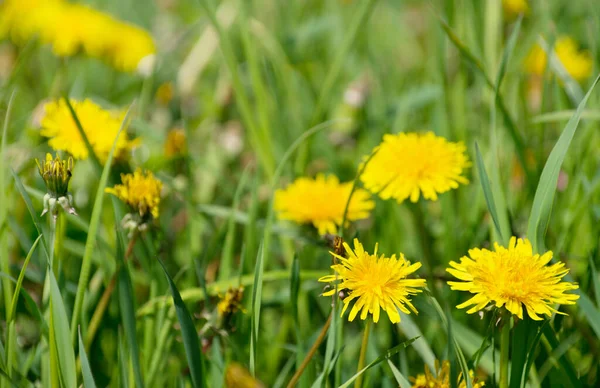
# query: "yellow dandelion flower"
{"points": [[322, 201], [375, 282], [141, 192], [408, 165], [56, 174], [512, 278], [100, 126], [176, 143], [73, 28], [577, 63], [515, 8], [441, 379]]}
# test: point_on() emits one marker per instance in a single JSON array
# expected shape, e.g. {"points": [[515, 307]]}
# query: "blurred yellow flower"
{"points": [[322, 201], [375, 282], [515, 7], [237, 376], [512, 278], [408, 165], [176, 143], [231, 302], [578, 63], [141, 192], [442, 378], [73, 28], [100, 126]]}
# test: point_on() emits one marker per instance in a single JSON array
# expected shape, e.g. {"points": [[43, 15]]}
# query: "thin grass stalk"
{"points": [[363, 355], [310, 353], [504, 351]]}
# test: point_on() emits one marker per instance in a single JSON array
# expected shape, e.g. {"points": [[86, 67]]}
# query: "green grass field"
{"points": [[219, 147]]}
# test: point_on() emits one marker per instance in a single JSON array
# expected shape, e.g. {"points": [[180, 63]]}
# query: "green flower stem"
{"points": [[363, 354], [310, 353], [504, 348]]}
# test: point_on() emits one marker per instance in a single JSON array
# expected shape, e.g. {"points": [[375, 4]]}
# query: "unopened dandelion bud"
{"points": [[56, 174]]}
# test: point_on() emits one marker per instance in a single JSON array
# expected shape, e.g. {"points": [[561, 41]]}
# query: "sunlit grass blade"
{"points": [[86, 371], [60, 327], [13, 304], [90, 243], [590, 311], [410, 330], [544, 195], [487, 192], [256, 306], [400, 379], [387, 355], [191, 343]]}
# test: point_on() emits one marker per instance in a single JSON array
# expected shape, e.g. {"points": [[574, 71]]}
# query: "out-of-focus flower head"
{"points": [[514, 8], [75, 28], [441, 379], [175, 145], [578, 63], [99, 125], [408, 165], [322, 201]]}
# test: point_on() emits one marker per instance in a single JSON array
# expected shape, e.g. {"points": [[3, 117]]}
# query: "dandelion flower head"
{"points": [[71, 28], [408, 165], [512, 277], [578, 63], [322, 201], [441, 379], [514, 8], [140, 191], [100, 126], [374, 283]]}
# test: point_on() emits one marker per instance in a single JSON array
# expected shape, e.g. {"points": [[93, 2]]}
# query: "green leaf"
{"points": [[256, 305], [13, 305], [590, 311], [59, 325], [487, 191], [400, 379], [595, 281], [544, 195], [566, 368], [410, 329], [391, 352], [191, 343], [523, 336], [86, 371], [90, 243]]}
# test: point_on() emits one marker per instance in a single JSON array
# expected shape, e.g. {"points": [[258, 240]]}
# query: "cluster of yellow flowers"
{"points": [[441, 379], [577, 63], [408, 166], [74, 28]]}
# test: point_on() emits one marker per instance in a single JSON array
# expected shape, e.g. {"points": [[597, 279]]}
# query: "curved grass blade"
{"points": [[191, 343], [387, 355], [13, 305], [256, 305], [410, 330], [568, 372], [59, 326], [86, 371], [544, 194], [90, 243]]}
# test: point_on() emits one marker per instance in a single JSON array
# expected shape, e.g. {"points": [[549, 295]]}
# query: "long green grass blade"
{"points": [[487, 192], [90, 243], [256, 306], [13, 304], [400, 379], [60, 328], [191, 343], [86, 370], [544, 194]]}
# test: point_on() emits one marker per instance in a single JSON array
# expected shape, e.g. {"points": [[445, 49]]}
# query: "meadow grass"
{"points": [[217, 288]]}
